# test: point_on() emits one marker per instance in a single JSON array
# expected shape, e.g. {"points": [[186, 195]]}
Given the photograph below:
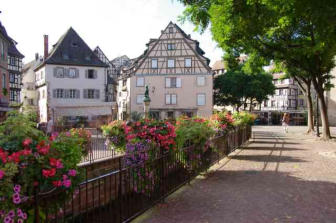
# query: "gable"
{"points": [[173, 44]]}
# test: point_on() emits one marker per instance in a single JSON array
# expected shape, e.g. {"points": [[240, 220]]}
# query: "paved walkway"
{"points": [[277, 178]]}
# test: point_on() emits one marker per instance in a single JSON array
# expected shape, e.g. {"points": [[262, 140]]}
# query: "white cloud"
{"points": [[118, 26]]}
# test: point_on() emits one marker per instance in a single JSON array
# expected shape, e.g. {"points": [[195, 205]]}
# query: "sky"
{"points": [[118, 27]]}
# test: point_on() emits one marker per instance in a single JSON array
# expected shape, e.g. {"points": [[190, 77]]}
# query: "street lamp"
{"points": [[146, 101]]}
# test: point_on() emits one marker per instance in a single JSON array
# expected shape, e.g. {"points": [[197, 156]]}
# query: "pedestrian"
{"points": [[50, 126], [285, 122]]}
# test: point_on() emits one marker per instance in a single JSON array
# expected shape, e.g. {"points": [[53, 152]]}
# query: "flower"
{"points": [[27, 142], [17, 188], [72, 172], [11, 213], [57, 183], [16, 198], [67, 183], [2, 174], [49, 173], [56, 163], [8, 219], [20, 220]]}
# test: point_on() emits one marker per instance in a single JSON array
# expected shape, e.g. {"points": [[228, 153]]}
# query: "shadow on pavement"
{"points": [[272, 148], [267, 158]]}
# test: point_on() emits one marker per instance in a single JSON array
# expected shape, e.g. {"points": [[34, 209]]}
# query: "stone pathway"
{"points": [[277, 178]]}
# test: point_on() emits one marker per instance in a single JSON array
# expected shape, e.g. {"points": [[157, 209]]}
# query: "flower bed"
{"points": [[36, 165]]}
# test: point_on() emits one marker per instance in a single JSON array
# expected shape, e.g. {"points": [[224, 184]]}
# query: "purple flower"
{"points": [[11, 214], [19, 212], [72, 173], [17, 188], [67, 183], [20, 220], [8, 219], [16, 199], [24, 216]]}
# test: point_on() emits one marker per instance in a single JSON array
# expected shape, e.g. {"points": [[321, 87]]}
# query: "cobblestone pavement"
{"points": [[277, 178]]}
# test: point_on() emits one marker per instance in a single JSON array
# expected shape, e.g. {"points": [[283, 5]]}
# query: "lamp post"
{"points": [[146, 101]]}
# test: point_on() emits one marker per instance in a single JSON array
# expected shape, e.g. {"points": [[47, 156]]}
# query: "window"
{"points": [[170, 115], [171, 63], [171, 46], [12, 78], [280, 91], [173, 82], [91, 74], [154, 63], [272, 103], [2, 48], [59, 72], [200, 99], [171, 99], [154, 115], [171, 29], [187, 62], [91, 93], [301, 102], [59, 93], [293, 104], [72, 93], [139, 98], [265, 103], [200, 81], [140, 81], [4, 85], [189, 114], [30, 101], [72, 72]]}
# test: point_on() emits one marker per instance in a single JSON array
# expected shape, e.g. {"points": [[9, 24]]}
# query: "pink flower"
{"points": [[17, 188], [16, 198], [2, 174], [27, 142], [68, 134], [72, 173], [67, 183]]}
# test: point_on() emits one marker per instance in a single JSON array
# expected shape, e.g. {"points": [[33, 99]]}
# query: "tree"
{"points": [[301, 33], [237, 88]]}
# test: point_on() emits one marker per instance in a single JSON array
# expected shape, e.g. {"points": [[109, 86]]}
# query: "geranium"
{"points": [[27, 142], [2, 174], [55, 163], [72, 173]]}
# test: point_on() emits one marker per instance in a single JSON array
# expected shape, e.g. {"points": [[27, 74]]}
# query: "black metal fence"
{"points": [[122, 195]]}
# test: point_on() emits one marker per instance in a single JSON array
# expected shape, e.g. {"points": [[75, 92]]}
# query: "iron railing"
{"points": [[123, 194]]}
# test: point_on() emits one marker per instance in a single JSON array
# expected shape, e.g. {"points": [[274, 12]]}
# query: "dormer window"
{"points": [[171, 29], [74, 44]]}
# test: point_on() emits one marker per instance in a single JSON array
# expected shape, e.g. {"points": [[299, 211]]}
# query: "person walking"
{"points": [[285, 122]]}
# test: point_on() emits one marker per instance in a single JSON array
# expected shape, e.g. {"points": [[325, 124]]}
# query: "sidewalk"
{"points": [[277, 178]]}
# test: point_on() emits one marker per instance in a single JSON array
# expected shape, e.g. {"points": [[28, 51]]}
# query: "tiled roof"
{"points": [[13, 51], [72, 50], [218, 65]]}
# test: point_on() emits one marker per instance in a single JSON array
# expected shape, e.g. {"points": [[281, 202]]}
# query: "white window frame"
{"points": [[60, 72], [169, 82], [154, 62], [91, 93], [72, 93], [139, 98], [187, 64], [199, 82], [139, 83], [198, 99], [73, 75], [171, 46], [169, 65], [171, 99], [60, 93]]}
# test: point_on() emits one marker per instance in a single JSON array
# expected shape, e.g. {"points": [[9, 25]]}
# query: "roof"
{"points": [[71, 49], [13, 51], [219, 65], [4, 32]]}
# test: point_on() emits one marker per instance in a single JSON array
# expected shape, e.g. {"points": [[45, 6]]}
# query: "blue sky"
{"points": [[118, 26]]}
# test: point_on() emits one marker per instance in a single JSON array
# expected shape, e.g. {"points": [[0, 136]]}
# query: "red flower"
{"points": [[55, 163], [42, 148], [26, 152], [49, 173], [57, 183], [15, 157]]}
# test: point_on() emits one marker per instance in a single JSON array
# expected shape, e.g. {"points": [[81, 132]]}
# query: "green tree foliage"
{"points": [[236, 88], [300, 33]]}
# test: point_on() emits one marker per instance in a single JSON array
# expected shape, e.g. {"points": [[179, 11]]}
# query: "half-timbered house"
{"points": [[178, 75]]}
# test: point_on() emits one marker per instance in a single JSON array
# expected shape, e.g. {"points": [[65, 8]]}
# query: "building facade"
{"points": [[4, 82], [71, 82], [15, 74], [178, 75], [288, 98], [331, 100]]}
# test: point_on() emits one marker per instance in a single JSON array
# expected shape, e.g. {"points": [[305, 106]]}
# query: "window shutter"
{"points": [[178, 82], [96, 94], [66, 72], [54, 93], [168, 82], [77, 73], [66, 93], [85, 93], [77, 93], [86, 73], [173, 99], [55, 73]]}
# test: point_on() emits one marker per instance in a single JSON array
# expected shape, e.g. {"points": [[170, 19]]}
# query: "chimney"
{"points": [[46, 50], [36, 56]]}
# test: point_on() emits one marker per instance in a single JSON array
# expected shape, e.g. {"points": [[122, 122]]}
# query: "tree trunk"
{"points": [[324, 110], [310, 109]]}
